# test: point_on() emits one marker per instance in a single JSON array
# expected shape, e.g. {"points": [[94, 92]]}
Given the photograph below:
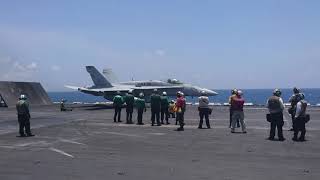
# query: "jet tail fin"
{"points": [[98, 79]]}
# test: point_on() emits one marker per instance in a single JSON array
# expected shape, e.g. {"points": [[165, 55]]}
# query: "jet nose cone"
{"points": [[210, 92]]}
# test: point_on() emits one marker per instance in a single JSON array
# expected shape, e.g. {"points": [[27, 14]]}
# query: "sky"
{"points": [[214, 44]]}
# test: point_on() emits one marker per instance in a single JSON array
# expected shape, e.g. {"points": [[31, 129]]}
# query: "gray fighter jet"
{"points": [[103, 87]]}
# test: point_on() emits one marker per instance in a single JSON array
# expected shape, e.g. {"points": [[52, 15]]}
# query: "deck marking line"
{"points": [[60, 152], [71, 141]]}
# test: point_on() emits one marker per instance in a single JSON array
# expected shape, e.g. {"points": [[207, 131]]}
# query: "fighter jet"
{"points": [[103, 87]]}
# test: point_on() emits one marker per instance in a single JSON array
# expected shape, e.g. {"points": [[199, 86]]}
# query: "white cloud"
{"points": [[55, 68], [32, 66], [160, 52], [14, 69], [27, 67]]}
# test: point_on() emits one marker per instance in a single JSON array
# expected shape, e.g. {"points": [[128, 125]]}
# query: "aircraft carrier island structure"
{"points": [[10, 92]]}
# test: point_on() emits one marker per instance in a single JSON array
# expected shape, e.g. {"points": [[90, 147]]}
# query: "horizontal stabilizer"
{"points": [[72, 87]]}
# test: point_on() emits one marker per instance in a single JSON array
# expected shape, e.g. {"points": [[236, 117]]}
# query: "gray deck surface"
{"points": [[86, 144]]}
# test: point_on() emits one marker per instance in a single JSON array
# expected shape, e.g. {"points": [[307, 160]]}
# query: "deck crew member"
{"points": [[23, 112], [180, 109], [233, 93], [171, 109], [129, 100], [299, 123], [141, 107], [204, 109], [276, 107], [164, 108], [237, 103], [117, 104], [294, 99], [155, 107], [63, 106]]}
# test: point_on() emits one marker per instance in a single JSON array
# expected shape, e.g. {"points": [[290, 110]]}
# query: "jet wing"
{"points": [[98, 91], [123, 89], [157, 87], [148, 90]]}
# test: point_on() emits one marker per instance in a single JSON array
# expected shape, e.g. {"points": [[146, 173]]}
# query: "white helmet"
{"points": [[179, 93], [130, 91], [164, 93], [141, 95], [23, 97], [239, 93], [277, 92]]}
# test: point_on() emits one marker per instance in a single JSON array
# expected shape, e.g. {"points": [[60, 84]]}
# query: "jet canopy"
{"points": [[174, 81]]}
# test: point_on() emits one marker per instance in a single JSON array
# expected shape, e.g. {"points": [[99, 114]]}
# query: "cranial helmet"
{"points": [[296, 90], [203, 93], [277, 92], [23, 97], [239, 93], [234, 91], [179, 93], [141, 95], [164, 93]]}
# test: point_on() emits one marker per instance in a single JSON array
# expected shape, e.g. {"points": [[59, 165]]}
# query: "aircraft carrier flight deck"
{"points": [[86, 144]]}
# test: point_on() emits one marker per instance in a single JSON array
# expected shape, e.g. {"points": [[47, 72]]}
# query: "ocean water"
{"points": [[255, 96]]}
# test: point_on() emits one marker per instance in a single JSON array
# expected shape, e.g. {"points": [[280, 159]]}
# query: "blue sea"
{"points": [[255, 96]]}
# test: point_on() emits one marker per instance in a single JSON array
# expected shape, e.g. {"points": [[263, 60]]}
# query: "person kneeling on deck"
{"points": [[276, 107], [117, 104], [129, 100], [23, 116], [237, 103], [63, 106], [300, 120], [141, 107], [204, 109]]}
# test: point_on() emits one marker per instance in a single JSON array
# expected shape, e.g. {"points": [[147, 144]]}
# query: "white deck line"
{"points": [[61, 152]]}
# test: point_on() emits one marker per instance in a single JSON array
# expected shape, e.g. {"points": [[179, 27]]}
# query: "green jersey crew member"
{"points": [[155, 107], [141, 107], [117, 104], [164, 108], [129, 100]]}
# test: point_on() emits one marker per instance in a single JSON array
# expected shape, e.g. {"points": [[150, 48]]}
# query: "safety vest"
{"points": [[274, 104], [22, 107], [303, 108]]}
